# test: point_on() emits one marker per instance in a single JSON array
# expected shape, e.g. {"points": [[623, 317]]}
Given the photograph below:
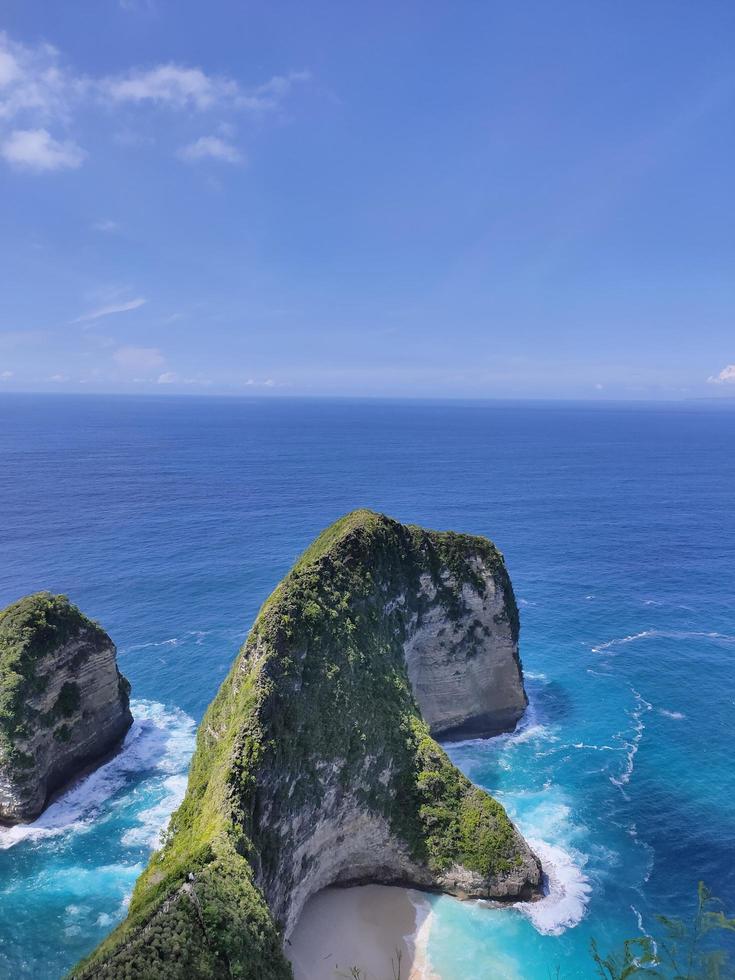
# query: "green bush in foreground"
{"points": [[684, 951]]}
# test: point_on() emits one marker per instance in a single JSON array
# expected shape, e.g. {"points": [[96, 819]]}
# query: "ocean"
{"points": [[170, 520]]}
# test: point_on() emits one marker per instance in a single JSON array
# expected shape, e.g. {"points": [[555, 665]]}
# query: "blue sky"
{"points": [[462, 199]]}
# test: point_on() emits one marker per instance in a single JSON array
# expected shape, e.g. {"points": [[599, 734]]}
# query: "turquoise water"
{"points": [[170, 520]]}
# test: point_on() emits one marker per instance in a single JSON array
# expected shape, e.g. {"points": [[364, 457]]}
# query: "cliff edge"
{"points": [[63, 703], [314, 765]]}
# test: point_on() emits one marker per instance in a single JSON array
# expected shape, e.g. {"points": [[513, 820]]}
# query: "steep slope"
{"points": [[314, 765], [63, 703]]}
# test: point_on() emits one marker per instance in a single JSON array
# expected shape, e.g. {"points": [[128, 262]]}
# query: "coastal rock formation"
{"points": [[63, 703], [464, 669], [314, 765]]}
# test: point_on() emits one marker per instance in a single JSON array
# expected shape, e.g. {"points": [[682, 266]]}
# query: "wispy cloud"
{"points": [[6, 375], [37, 89], [139, 358], [271, 94], [105, 226], [172, 378], [181, 87], [110, 309], [726, 376], [170, 85], [33, 81], [38, 151], [212, 148]]}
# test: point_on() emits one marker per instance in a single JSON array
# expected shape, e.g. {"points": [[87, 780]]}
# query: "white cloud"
{"points": [[59, 378], [106, 226], [212, 148], [139, 358], [268, 383], [38, 151], [33, 81], [132, 304], [6, 375], [270, 94], [726, 376], [170, 85], [172, 378], [180, 87], [37, 89], [9, 68]]}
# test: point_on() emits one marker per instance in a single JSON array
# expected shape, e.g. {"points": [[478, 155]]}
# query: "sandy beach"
{"points": [[342, 928]]}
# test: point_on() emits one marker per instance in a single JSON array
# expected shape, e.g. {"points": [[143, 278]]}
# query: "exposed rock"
{"points": [[63, 703], [466, 672], [314, 765]]}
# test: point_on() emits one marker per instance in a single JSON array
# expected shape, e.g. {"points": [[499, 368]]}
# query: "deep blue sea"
{"points": [[170, 520]]}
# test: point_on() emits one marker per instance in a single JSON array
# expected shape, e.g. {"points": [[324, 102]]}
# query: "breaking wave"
{"points": [[160, 743], [567, 891]]}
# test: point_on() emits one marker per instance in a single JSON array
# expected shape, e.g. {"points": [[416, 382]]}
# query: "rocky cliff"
{"points": [[63, 702], [464, 668], [314, 765]]}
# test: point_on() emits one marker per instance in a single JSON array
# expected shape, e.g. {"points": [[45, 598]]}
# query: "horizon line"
{"points": [[263, 397]]}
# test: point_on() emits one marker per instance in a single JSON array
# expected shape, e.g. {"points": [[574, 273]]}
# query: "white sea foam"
{"points": [[631, 743], [160, 741], [664, 634], [676, 715], [418, 940], [621, 641], [197, 636], [596, 748], [567, 887], [642, 928], [567, 891], [152, 821], [527, 729]]}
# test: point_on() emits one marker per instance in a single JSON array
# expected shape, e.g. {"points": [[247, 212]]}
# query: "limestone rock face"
{"points": [[314, 765], [465, 670], [63, 703]]}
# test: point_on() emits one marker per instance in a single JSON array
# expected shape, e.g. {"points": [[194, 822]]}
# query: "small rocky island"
{"points": [[315, 764], [64, 706]]}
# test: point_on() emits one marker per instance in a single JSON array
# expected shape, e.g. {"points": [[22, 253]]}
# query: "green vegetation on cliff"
{"points": [[29, 630], [319, 696]]}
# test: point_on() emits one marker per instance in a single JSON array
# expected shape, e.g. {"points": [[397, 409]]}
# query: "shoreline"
{"points": [[365, 926]]}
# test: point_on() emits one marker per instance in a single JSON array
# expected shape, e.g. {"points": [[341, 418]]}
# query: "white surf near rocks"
{"points": [[160, 743]]}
